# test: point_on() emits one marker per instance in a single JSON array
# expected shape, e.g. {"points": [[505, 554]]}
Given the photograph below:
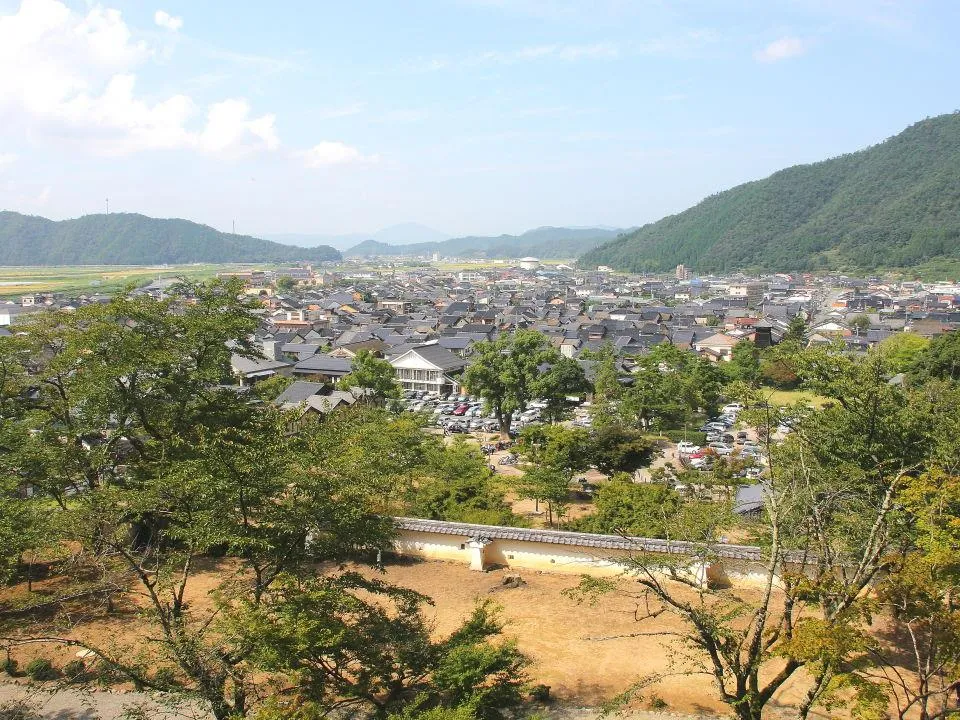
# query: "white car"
{"points": [[732, 408], [685, 448], [720, 448]]}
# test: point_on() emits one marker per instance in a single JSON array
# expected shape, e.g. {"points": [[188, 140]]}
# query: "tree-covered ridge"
{"points": [[133, 239], [896, 204], [548, 242]]}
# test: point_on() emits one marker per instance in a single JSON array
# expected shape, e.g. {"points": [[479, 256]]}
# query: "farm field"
{"points": [[16, 281]]}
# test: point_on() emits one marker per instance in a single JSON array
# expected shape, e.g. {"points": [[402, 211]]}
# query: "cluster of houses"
{"points": [[425, 322]]}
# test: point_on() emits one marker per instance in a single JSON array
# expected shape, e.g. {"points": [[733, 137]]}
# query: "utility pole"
{"points": [[108, 206], [234, 224]]}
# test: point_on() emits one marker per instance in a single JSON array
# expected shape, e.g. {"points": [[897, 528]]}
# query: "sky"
{"points": [[469, 116]]}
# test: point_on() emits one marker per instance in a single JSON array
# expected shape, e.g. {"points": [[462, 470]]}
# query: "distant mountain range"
{"points": [[893, 205], [402, 234], [544, 242], [132, 239]]}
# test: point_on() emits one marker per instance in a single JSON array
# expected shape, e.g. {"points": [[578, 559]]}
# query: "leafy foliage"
{"points": [[457, 485], [627, 508], [373, 375], [350, 643], [507, 373]]}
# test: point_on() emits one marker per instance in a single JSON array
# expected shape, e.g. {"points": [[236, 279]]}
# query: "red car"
{"points": [[461, 409]]}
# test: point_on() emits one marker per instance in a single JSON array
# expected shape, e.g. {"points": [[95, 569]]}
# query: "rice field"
{"points": [[16, 281]]}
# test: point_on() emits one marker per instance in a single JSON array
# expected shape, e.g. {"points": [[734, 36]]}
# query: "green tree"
{"points": [[346, 643], [615, 448], [744, 365], [547, 484], [903, 349], [623, 507], [860, 324], [564, 378], [272, 388], [457, 485], [796, 330], [144, 463], [553, 455], [830, 526], [557, 446], [373, 375], [669, 386], [607, 388], [285, 283], [941, 359], [505, 373]]}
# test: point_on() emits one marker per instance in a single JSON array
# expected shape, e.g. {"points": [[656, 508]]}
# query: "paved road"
{"points": [[70, 704]]}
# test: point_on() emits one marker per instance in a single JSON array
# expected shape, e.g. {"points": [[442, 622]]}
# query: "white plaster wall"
{"points": [[550, 557]]}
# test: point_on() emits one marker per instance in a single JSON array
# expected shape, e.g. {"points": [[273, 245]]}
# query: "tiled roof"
{"points": [[576, 539]]}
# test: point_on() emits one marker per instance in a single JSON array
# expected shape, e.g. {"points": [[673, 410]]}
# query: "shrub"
{"points": [[696, 437], [10, 667], [41, 669], [658, 703], [165, 677], [75, 670], [540, 693]]}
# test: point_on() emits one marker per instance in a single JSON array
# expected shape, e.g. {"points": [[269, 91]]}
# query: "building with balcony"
{"points": [[429, 367]]}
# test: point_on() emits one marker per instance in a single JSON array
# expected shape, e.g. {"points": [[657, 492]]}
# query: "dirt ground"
{"points": [[586, 653]]}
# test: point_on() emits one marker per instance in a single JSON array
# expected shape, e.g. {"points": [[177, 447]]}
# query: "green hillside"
{"points": [[896, 204], [131, 239], [547, 242]]}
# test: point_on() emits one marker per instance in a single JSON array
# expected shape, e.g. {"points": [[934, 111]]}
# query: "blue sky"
{"points": [[470, 116]]}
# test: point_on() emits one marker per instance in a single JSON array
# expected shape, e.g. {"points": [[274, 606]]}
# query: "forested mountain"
{"points": [[896, 204], [132, 239], [546, 242]]}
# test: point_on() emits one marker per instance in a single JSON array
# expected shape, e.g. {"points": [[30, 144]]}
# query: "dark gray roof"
{"points": [[299, 391], [251, 366], [439, 356], [322, 363]]}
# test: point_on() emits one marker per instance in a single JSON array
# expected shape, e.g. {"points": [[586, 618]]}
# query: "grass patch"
{"points": [[779, 398], [91, 279]]}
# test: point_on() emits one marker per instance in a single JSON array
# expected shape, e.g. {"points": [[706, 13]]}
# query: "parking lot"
{"points": [[465, 413]]}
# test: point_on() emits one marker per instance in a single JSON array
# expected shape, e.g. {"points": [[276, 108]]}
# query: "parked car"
{"points": [[720, 448], [686, 448], [460, 410]]}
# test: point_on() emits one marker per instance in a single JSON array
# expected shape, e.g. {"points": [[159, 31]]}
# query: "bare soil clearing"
{"points": [[586, 653]]}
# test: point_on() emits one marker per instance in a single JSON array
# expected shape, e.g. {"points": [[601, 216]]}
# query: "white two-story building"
{"points": [[429, 367]]}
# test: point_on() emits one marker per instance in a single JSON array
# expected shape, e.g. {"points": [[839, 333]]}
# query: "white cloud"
{"points": [[781, 49], [229, 126], [328, 153], [168, 21], [73, 76], [7, 159]]}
